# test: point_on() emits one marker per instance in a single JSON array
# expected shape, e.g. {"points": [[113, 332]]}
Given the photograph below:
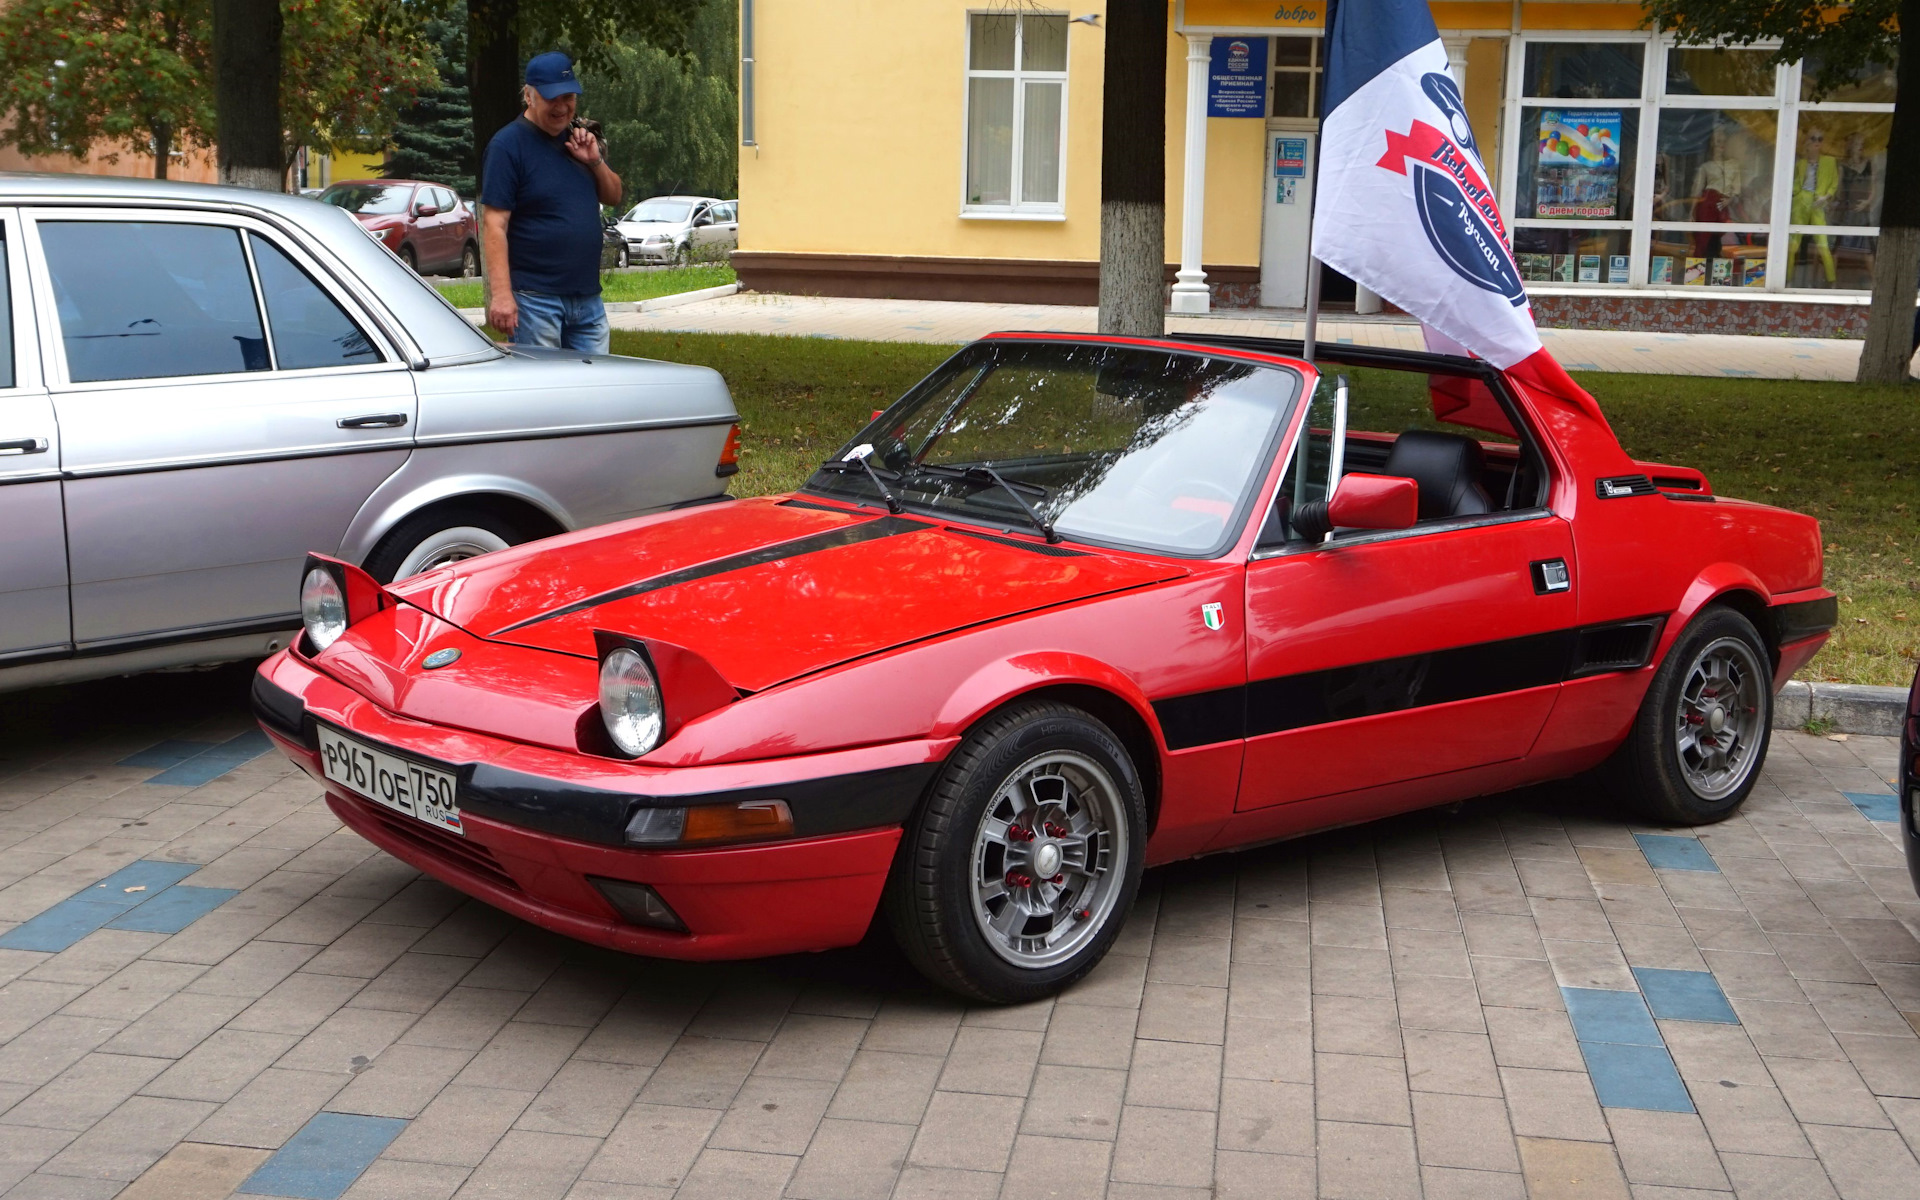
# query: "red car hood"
{"points": [[767, 590]]}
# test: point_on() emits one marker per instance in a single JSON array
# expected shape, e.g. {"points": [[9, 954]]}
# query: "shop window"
{"points": [[1715, 165], [1694, 71], [1840, 168], [1836, 261], [1016, 105], [1577, 163], [1584, 70], [1871, 84], [1707, 258], [1556, 256]]}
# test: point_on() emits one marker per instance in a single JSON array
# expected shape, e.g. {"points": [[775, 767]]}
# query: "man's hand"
{"points": [[502, 312], [584, 147]]}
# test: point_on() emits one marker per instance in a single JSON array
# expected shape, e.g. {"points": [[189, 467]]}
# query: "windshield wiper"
{"points": [[856, 460], [981, 473]]}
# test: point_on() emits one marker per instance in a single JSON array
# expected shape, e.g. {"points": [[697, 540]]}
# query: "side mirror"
{"points": [[1361, 502], [426, 210]]}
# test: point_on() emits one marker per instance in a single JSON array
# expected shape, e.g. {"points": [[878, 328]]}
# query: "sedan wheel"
{"points": [[1696, 748], [1017, 873], [434, 539], [470, 262]]}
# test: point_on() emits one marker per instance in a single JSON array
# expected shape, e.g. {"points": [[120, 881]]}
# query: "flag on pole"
{"points": [[1403, 204]]}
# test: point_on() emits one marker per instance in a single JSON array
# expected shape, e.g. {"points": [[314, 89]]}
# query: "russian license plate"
{"points": [[398, 783]]}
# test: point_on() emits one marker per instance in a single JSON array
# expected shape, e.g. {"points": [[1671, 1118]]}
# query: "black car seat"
{"points": [[1447, 467]]}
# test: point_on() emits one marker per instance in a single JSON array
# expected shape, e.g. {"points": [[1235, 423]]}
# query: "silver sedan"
{"points": [[199, 385]]}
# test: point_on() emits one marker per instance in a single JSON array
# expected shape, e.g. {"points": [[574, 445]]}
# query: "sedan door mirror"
{"points": [[426, 210], [1361, 501]]}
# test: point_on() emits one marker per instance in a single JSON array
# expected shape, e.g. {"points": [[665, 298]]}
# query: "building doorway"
{"points": [[1293, 134]]}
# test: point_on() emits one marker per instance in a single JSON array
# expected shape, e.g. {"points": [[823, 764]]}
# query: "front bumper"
{"points": [[538, 822], [655, 253]]}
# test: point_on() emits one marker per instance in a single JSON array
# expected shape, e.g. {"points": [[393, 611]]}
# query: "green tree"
{"points": [[349, 68], [590, 30], [78, 76], [1838, 42], [433, 139], [671, 121]]}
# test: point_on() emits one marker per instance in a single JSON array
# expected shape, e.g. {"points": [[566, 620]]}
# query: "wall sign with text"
{"points": [[1237, 78]]}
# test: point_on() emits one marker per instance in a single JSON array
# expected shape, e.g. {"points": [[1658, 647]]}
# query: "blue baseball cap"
{"points": [[551, 74]]}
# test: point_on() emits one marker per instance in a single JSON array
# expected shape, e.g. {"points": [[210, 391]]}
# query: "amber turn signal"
{"points": [[705, 824]]}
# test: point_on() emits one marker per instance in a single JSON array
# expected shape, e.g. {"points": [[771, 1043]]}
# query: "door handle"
{"points": [[34, 445], [377, 421]]}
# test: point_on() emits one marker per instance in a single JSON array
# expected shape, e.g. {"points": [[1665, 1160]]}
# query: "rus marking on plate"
{"points": [[1210, 613], [440, 658]]}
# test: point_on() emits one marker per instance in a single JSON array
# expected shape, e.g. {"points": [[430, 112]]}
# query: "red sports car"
{"points": [[1071, 607]]}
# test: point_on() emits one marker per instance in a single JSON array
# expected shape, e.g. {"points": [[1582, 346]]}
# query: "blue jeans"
{"points": [[568, 322]]}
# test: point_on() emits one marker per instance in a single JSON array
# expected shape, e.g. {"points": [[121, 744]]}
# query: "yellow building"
{"points": [[950, 149]]}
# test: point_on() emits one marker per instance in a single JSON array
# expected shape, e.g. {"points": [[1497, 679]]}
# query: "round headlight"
{"points": [[323, 608], [630, 702]]}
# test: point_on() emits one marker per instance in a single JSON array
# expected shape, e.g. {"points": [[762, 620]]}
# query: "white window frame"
{"points": [[1018, 209], [1785, 101]]}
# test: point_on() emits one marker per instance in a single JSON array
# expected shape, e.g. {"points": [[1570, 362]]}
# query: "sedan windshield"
{"points": [[1138, 447], [671, 211], [373, 199]]}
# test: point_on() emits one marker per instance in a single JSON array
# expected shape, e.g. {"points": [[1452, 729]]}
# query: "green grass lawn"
{"points": [[614, 285], [1846, 454]]}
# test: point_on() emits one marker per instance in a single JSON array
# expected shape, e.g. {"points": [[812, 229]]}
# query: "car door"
{"points": [[34, 621], [703, 231], [729, 224], [446, 227], [206, 450], [1380, 657]]}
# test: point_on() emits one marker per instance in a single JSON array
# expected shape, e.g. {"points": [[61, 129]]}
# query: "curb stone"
{"points": [[1851, 707]]}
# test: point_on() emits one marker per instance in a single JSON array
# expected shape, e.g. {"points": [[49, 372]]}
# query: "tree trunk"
{"points": [[1133, 170], [246, 93], [1888, 353], [162, 147], [495, 73]]}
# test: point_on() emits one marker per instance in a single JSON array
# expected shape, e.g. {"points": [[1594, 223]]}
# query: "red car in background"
{"points": [[426, 224], [1071, 607]]}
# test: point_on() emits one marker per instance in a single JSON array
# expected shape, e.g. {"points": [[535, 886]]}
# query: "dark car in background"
{"points": [[427, 225], [1909, 782]]}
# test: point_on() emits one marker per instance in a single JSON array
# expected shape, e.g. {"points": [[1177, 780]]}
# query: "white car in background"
{"points": [[680, 229]]}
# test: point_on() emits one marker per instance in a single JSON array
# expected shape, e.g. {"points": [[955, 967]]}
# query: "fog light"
{"points": [[638, 903]]}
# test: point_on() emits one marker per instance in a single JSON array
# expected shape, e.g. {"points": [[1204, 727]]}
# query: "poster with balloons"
{"points": [[1578, 171]]}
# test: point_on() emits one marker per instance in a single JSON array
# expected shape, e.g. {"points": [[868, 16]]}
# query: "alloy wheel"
{"points": [[1048, 859], [1716, 722]]}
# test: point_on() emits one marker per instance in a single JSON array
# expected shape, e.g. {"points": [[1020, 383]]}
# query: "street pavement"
{"points": [[946, 321], [210, 985]]}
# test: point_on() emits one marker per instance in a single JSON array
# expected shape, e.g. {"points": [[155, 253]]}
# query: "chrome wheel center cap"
{"points": [[1717, 719], [1046, 860]]}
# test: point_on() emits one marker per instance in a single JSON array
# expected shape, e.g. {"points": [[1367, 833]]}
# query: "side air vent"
{"points": [[1051, 551], [1620, 486], [1622, 646]]}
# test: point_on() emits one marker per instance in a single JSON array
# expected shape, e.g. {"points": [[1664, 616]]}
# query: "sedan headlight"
{"points": [[630, 702], [323, 608], [657, 239]]}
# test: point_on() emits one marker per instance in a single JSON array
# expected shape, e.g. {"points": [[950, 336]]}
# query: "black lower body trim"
{"points": [[1803, 619], [281, 711], [1411, 681]]}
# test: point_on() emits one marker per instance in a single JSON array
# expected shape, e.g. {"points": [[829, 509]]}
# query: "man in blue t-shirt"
{"points": [[542, 188]]}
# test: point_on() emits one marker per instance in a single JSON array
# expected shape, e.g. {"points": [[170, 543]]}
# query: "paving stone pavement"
{"points": [[944, 321], [1526, 995]]}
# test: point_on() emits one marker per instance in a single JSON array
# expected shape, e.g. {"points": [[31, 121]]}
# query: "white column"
{"points": [[1190, 293], [1457, 59]]}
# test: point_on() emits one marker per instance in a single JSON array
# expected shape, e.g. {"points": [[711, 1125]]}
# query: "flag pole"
{"points": [[1313, 264]]}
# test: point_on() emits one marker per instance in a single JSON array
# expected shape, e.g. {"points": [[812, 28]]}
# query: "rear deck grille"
{"points": [[471, 857]]}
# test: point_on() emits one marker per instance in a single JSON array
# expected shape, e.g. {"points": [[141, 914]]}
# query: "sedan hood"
{"points": [[768, 590]]}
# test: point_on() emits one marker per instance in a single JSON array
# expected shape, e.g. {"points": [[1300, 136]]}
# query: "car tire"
{"points": [[626, 258], [438, 537], [956, 899], [1698, 742], [682, 255], [412, 260], [470, 261]]}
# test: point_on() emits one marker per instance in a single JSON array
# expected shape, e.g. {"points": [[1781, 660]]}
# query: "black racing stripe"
{"points": [[1389, 685], [847, 535], [1803, 619]]}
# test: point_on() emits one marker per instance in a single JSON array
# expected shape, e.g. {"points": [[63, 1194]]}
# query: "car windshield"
{"points": [[1146, 448], [671, 211], [374, 199]]}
